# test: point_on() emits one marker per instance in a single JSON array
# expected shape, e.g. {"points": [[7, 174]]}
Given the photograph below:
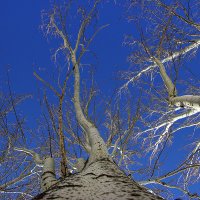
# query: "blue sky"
{"points": [[24, 49]]}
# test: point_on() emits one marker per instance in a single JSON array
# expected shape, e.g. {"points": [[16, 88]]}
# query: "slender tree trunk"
{"points": [[100, 180], [98, 146], [64, 171]]}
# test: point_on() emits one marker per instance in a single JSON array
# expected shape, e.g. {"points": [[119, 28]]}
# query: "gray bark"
{"points": [[48, 176], [99, 180], [186, 101], [167, 81], [96, 142]]}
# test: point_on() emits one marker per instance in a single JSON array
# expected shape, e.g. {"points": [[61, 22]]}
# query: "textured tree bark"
{"points": [[64, 170], [99, 180]]}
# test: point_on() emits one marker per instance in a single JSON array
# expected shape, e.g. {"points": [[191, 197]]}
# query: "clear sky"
{"points": [[24, 49]]}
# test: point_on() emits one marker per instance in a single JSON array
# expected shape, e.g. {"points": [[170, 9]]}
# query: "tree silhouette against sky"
{"points": [[103, 122]]}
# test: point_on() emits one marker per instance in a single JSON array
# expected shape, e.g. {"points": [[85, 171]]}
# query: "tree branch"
{"points": [[171, 58]]}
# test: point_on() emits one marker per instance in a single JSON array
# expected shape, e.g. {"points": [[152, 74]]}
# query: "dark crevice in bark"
{"points": [[48, 172], [109, 176], [89, 174], [39, 196], [135, 194], [67, 186]]}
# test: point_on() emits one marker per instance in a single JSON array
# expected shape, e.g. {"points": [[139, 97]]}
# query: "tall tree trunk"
{"points": [[99, 180], [96, 142]]}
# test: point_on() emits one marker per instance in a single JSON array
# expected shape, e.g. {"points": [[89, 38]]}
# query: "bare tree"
{"points": [[99, 169], [139, 126], [12, 134], [170, 37]]}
